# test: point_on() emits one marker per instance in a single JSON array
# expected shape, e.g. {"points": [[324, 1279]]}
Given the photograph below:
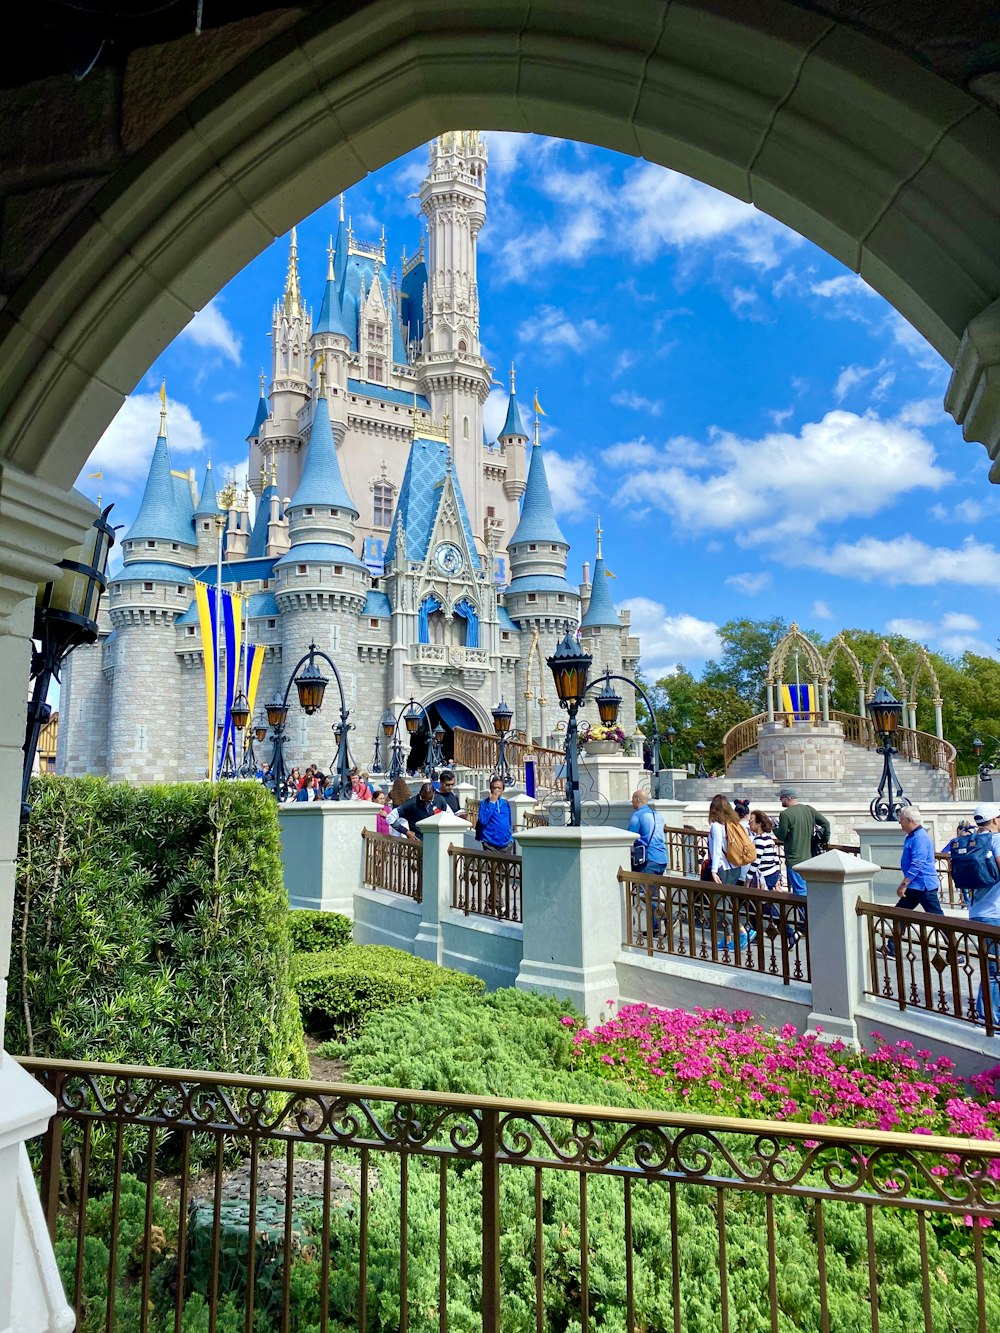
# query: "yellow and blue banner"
{"points": [[800, 700], [218, 647], [254, 664], [232, 638], [205, 601]]}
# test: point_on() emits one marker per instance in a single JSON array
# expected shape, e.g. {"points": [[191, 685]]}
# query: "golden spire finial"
{"points": [[293, 296], [600, 532], [163, 406]]}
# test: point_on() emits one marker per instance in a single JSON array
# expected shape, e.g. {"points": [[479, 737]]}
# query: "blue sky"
{"points": [[760, 432]]}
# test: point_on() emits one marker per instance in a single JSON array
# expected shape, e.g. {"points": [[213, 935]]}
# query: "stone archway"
{"points": [[840, 647], [886, 660], [925, 667], [887, 165]]}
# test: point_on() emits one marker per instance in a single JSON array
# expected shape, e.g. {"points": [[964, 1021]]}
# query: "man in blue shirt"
{"points": [[649, 825], [495, 828], [920, 886]]}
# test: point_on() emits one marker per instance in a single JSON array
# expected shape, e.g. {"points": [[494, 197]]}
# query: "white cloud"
{"points": [[637, 403], [780, 415], [125, 448], [913, 343], [908, 561], [821, 611], [495, 412], [750, 583], [841, 467], [571, 482], [845, 284], [970, 511], [625, 360], [955, 633], [668, 641], [851, 376], [555, 332], [921, 412], [211, 329]]}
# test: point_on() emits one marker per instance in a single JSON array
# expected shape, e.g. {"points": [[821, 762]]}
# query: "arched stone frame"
{"points": [[841, 648], [925, 667], [479, 711], [886, 658], [814, 661]]}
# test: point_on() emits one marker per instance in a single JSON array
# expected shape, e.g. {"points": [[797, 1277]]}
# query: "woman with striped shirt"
{"points": [[767, 865]]}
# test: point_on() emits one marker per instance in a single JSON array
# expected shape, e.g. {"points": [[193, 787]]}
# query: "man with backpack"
{"points": [[796, 826], [975, 868]]}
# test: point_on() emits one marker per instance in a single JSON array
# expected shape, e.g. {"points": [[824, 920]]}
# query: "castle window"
{"points": [[189, 631], [147, 587], [265, 584], [560, 598], [491, 511], [151, 546], [272, 624], [302, 569], [175, 546], [375, 366], [205, 527], [462, 347], [553, 548], [180, 590], [382, 495], [532, 597], [338, 569], [140, 739], [465, 428], [504, 635], [374, 624], [308, 512], [532, 546]]}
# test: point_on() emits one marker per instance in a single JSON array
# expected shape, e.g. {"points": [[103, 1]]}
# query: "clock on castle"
{"points": [[388, 529]]}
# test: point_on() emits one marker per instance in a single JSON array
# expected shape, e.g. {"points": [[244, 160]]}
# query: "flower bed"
{"points": [[714, 1060]]}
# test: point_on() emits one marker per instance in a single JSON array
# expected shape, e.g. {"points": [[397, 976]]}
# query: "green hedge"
{"points": [[318, 932], [338, 989], [151, 928]]}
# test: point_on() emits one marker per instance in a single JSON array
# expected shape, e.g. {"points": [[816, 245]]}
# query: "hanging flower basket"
{"points": [[603, 747]]}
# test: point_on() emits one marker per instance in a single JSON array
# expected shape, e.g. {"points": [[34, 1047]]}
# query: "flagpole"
{"points": [[218, 648]]}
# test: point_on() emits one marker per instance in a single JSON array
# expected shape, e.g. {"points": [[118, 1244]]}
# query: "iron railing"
{"points": [[477, 750], [687, 848], [754, 930], [536, 819], [393, 864], [486, 883], [938, 964], [181, 1197]]}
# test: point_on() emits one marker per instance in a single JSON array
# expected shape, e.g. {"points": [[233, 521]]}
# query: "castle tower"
{"points": [[455, 376], [513, 442], [291, 331], [145, 599], [206, 519], [257, 449], [604, 635], [331, 340], [539, 596], [320, 586]]}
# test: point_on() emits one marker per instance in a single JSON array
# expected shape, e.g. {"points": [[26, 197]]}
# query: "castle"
{"points": [[426, 560]]}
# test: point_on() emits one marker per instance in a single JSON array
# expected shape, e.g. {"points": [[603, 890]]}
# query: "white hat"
{"points": [[986, 812]]}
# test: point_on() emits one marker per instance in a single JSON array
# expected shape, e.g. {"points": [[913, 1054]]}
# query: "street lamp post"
{"points": [[503, 716], [699, 750], [671, 737], [411, 717], [987, 766], [311, 685], [885, 711], [569, 665], [65, 618]]}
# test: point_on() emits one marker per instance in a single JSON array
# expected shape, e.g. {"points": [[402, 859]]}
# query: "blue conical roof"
{"points": [[322, 483], [512, 425], [538, 519], [161, 515], [263, 412], [208, 503], [257, 545], [331, 316], [601, 610]]}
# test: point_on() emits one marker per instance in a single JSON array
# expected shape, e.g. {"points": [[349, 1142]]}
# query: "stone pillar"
{"points": [[38, 524], [521, 804], [938, 721], [440, 832], [835, 881], [826, 700], [770, 701], [882, 845], [862, 700], [573, 918], [611, 777], [323, 852], [911, 709]]}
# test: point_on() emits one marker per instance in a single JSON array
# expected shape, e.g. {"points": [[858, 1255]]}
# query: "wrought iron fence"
{"points": [[486, 883], [185, 1200], [755, 930], [475, 749], [536, 819], [393, 864], [687, 848], [940, 964]]}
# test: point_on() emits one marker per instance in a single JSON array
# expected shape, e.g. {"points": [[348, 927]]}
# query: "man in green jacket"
{"points": [[795, 833]]}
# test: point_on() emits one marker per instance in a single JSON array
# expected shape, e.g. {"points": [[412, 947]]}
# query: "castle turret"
{"points": [[604, 635], [291, 330], [455, 376], [331, 338], [206, 519], [513, 442], [254, 439], [539, 597]]}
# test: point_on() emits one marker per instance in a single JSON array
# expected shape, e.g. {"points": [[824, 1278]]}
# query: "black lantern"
{"points": [[388, 724], [240, 711], [569, 665], [65, 618], [977, 747], [411, 718], [277, 712], [885, 710], [259, 730], [699, 750], [608, 704], [503, 716], [311, 685]]}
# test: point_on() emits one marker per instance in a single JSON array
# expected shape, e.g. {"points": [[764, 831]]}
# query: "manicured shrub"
{"points": [[318, 932], [151, 928], [338, 989]]}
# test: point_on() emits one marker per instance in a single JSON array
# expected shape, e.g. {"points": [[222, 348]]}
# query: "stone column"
{"points": [[862, 700], [38, 524], [911, 709], [440, 832], [573, 918], [770, 701], [882, 845], [521, 804], [323, 852], [826, 700], [835, 881], [938, 721]]}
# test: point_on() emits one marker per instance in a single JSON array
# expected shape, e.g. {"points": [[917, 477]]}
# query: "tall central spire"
{"points": [[293, 294]]}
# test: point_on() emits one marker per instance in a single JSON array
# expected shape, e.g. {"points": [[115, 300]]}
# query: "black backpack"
{"points": [[973, 864]]}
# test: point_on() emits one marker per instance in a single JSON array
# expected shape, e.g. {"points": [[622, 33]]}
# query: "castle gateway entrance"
{"points": [[451, 713]]}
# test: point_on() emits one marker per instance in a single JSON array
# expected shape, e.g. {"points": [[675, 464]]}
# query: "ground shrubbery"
{"points": [[339, 988], [151, 928], [318, 932]]}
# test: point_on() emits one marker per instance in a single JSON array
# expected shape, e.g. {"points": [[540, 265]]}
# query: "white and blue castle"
{"points": [[426, 560]]}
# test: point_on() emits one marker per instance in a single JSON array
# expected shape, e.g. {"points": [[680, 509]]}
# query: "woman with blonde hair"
{"points": [[721, 818]]}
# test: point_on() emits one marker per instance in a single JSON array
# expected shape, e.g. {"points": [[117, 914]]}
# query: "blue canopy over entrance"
{"points": [[454, 714]]}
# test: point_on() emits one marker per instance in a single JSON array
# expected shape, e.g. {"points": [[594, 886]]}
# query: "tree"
{"points": [[747, 646]]}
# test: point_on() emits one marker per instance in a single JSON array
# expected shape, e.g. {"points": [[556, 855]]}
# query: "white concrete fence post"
{"points": [[835, 881], [323, 852], [572, 914], [440, 832]]}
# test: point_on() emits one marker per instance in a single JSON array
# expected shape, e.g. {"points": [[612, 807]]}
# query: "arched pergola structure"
{"points": [[131, 196], [925, 667], [887, 660], [795, 641], [841, 648]]}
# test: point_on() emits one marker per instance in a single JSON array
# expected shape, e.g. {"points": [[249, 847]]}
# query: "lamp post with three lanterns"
{"points": [[411, 717], [569, 665], [311, 685]]}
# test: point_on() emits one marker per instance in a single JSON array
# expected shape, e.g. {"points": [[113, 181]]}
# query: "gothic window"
{"points": [[383, 497], [462, 346], [465, 428], [491, 511], [375, 366]]}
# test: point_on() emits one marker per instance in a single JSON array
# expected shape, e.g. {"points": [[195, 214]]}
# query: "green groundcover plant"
{"points": [[318, 932], [151, 928]]}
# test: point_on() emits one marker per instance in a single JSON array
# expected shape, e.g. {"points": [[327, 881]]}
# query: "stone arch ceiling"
{"points": [[131, 196]]}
